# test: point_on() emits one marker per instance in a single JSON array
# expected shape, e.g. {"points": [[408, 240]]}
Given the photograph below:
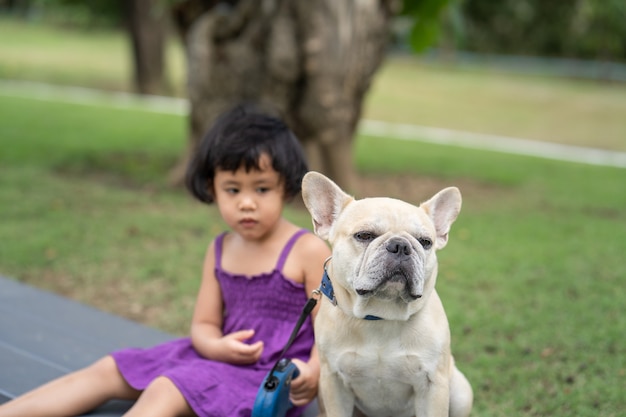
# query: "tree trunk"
{"points": [[147, 22], [310, 62]]}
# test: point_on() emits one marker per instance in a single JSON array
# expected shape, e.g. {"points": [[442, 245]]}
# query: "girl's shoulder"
{"points": [[306, 260], [216, 243], [309, 245]]}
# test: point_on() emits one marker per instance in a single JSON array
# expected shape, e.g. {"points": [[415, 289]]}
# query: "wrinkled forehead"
{"points": [[382, 215]]}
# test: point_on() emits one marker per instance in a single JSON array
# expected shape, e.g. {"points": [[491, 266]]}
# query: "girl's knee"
{"points": [[105, 367], [163, 395], [164, 389], [106, 370]]}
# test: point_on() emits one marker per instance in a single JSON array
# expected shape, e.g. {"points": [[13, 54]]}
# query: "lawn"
{"points": [[574, 112], [532, 278], [406, 90]]}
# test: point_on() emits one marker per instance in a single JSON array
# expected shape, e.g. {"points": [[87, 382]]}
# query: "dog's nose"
{"points": [[398, 246]]}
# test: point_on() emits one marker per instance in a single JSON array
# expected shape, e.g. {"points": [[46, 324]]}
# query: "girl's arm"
{"points": [[206, 325], [311, 253]]}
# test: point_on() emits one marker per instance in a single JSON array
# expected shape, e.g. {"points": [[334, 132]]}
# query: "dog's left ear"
{"points": [[324, 200], [443, 208]]}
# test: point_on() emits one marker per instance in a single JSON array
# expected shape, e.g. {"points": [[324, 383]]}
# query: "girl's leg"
{"points": [[73, 394], [161, 399]]}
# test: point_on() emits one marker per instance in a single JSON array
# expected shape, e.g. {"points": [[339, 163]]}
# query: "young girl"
{"points": [[255, 282]]}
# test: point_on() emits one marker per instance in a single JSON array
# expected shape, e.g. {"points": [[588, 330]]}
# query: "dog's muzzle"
{"points": [[396, 274]]}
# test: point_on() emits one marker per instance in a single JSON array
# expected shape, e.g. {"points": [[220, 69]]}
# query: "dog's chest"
{"points": [[381, 376], [382, 366], [376, 367], [383, 382]]}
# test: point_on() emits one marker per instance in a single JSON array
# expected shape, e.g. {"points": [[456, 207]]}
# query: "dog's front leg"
{"points": [[434, 400], [336, 400]]}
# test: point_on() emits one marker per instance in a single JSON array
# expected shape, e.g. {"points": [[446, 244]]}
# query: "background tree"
{"points": [[311, 62], [147, 22]]}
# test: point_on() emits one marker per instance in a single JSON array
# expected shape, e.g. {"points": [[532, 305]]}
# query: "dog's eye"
{"points": [[425, 242], [364, 236]]}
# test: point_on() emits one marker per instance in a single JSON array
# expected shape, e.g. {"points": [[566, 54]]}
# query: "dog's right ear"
{"points": [[324, 200]]}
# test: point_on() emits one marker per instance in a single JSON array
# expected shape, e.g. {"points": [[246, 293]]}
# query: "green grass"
{"points": [[87, 58], [576, 112], [532, 278]]}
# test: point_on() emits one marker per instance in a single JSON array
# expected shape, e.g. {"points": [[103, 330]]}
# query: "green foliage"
{"points": [[597, 30], [591, 29], [73, 13], [425, 16]]}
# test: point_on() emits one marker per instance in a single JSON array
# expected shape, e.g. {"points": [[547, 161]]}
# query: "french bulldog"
{"points": [[381, 330]]}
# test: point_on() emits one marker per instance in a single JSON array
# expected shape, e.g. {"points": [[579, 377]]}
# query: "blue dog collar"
{"points": [[326, 288]]}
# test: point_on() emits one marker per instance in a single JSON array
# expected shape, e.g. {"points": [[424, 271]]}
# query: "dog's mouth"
{"points": [[395, 282], [393, 269]]}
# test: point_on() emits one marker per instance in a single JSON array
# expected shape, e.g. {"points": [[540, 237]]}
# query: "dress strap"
{"points": [[285, 253], [219, 242]]}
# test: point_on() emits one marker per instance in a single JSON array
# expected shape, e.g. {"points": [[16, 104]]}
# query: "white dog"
{"points": [[382, 333]]}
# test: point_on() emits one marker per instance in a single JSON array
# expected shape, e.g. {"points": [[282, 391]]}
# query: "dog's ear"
{"points": [[443, 208], [324, 200]]}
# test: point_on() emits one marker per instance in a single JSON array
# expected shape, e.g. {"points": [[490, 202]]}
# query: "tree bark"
{"points": [[310, 62], [147, 22]]}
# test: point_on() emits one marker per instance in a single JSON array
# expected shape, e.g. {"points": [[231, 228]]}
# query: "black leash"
{"points": [[308, 307]]}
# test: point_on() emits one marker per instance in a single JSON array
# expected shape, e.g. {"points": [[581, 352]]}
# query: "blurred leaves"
{"points": [[425, 16], [588, 29]]}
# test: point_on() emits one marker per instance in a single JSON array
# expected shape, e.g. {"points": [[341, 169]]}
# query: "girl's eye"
{"points": [[232, 190], [262, 190], [364, 236], [425, 242]]}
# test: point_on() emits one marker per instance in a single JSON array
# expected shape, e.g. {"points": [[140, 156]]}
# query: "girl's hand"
{"points": [[304, 387], [231, 348]]}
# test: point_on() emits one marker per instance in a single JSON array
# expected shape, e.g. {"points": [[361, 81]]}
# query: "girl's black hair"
{"points": [[238, 139]]}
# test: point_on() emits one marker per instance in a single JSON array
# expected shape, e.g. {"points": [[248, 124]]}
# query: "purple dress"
{"points": [[270, 303]]}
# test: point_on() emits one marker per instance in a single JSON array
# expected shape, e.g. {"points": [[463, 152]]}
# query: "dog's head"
{"points": [[383, 259]]}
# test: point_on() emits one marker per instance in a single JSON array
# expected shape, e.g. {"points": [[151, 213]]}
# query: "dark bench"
{"points": [[43, 336]]}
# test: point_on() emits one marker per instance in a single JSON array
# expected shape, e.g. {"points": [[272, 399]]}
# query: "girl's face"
{"points": [[251, 203]]}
